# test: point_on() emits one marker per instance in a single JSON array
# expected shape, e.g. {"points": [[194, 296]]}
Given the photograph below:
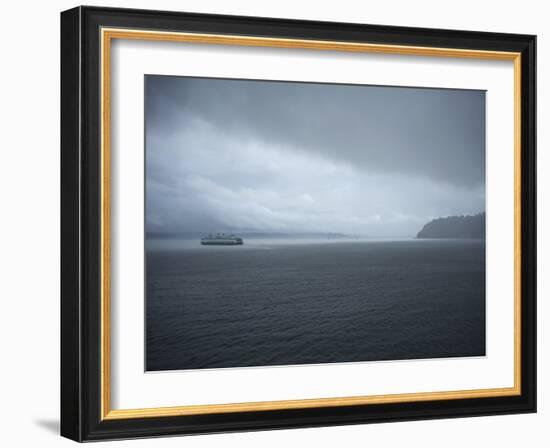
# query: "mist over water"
{"points": [[175, 243], [285, 303]]}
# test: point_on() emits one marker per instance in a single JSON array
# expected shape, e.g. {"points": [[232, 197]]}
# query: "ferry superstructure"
{"points": [[221, 239]]}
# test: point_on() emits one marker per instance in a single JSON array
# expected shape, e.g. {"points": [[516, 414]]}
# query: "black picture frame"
{"points": [[81, 413]]}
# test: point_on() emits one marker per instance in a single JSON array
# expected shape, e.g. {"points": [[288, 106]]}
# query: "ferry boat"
{"points": [[221, 239]]}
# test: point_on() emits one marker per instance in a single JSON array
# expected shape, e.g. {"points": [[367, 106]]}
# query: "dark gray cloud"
{"points": [[310, 157]]}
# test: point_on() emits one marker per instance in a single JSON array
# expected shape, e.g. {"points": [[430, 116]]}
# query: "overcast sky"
{"points": [[232, 155]]}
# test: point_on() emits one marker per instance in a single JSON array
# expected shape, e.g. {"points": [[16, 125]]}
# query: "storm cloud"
{"points": [[247, 155]]}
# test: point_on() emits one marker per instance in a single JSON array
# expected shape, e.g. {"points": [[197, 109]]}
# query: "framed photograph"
{"points": [[273, 223]]}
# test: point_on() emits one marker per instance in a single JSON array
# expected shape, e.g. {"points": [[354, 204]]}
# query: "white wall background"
{"points": [[29, 227]]}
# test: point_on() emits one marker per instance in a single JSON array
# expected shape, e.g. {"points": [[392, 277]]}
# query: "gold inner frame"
{"points": [[107, 35]]}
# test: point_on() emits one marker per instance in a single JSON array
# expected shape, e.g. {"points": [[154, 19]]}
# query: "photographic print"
{"points": [[295, 223]]}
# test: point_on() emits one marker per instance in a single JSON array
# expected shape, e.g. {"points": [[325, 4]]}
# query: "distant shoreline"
{"points": [[465, 226]]}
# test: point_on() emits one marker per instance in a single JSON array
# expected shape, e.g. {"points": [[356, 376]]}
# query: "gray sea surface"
{"points": [[290, 301]]}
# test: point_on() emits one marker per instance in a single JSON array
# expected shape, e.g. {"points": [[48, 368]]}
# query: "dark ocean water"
{"points": [[275, 303]]}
